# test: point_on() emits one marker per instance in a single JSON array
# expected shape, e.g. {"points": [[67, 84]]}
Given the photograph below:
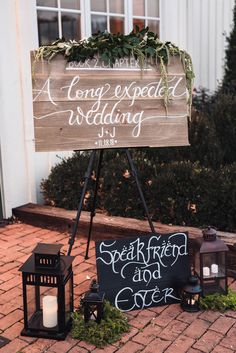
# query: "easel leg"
{"points": [[92, 214], [87, 177], [135, 175]]}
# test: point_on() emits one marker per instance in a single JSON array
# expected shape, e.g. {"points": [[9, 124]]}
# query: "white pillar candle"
{"points": [[206, 271], [49, 311], [214, 268]]}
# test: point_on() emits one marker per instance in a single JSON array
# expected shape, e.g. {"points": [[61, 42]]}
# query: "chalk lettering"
{"points": [[143, 270], [126, 299]]}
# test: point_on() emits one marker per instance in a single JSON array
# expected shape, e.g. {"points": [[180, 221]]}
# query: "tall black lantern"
{"points": [[93, 303], [210, 263], [47, 292], [190, 295]]}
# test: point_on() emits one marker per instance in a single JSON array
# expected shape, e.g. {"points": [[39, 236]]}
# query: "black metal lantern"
{"points": [[93, 303], [47, 293], [190, 295], [210, 263]]}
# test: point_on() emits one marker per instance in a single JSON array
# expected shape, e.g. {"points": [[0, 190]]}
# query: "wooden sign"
{"points": [[138, 273], [79, 106]]}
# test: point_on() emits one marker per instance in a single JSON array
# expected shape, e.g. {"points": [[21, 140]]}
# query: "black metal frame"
{"points": [[57, 278], [207, 287], [87, 176]]}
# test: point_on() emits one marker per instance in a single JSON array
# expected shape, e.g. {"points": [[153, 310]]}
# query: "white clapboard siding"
{"points": [[200, 27]]}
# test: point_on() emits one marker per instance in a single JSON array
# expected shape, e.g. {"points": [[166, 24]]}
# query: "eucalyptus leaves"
{"points": [[142, 44]]}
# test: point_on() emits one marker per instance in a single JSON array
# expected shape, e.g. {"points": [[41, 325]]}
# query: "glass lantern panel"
{"points": [[31, 302], [68, 300], [213, 264], [196, 264], [42, 313], [214, 285]]}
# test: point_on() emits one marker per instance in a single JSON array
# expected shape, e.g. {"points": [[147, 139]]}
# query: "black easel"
{"points": [[87, 176]]}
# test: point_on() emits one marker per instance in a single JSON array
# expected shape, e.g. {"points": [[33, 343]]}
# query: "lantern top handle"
{"points": [[209, 234], [94, 286]]}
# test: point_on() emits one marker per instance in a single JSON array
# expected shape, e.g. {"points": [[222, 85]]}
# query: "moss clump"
{"points": [[108, 331], [219, 301]]}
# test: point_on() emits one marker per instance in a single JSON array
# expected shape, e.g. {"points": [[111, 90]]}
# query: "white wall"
{"points": [[20, 167], [16, 126], [199, 26]]}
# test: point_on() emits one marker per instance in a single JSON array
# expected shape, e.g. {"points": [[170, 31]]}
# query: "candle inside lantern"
{"points": [[49, 311], [206, 271], [214, 268]]}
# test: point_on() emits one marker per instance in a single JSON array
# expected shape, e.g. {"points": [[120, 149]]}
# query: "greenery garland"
{"points": [[140, 44], [110, 330]]}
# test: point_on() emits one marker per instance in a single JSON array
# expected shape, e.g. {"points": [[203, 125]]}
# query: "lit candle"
{"points": [[192, 301], [214, 268], [206, 271], [49, 311]]}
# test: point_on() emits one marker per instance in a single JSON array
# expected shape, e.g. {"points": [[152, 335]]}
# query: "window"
{"points": [[146, 13], [74, 19], [57, 19], [107, 15]]}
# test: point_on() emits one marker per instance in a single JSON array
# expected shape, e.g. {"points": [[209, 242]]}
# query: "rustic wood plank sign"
{"points": [[145, 271], [79, 106]]}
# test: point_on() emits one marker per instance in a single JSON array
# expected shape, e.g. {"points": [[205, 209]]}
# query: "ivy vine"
{"points": [[140, 44]]}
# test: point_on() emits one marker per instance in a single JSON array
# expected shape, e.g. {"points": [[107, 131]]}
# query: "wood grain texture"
{"points": [[79, 106]]}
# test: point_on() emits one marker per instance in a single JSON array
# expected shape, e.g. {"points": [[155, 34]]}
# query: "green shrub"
{"points": [[219, 301], [64, 185], [182, 193], [223, 112]]}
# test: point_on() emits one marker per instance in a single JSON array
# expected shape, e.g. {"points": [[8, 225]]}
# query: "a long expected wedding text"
{"points": [[90, 107]]}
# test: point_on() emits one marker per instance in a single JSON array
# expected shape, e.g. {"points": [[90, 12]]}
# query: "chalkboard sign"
{"points": [[145, 271], [79, 106]]}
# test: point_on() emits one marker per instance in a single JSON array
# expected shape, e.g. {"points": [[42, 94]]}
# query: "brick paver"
{"points": [[221, 349], [131, 347], [158, 329], [180, 345], [229, 341], [157, 346], [148, 334], [197, 328], [208, 341], [222, 324]]}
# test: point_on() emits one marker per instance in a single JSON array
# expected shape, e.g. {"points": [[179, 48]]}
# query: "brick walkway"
{"points": [[161, 329]]}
